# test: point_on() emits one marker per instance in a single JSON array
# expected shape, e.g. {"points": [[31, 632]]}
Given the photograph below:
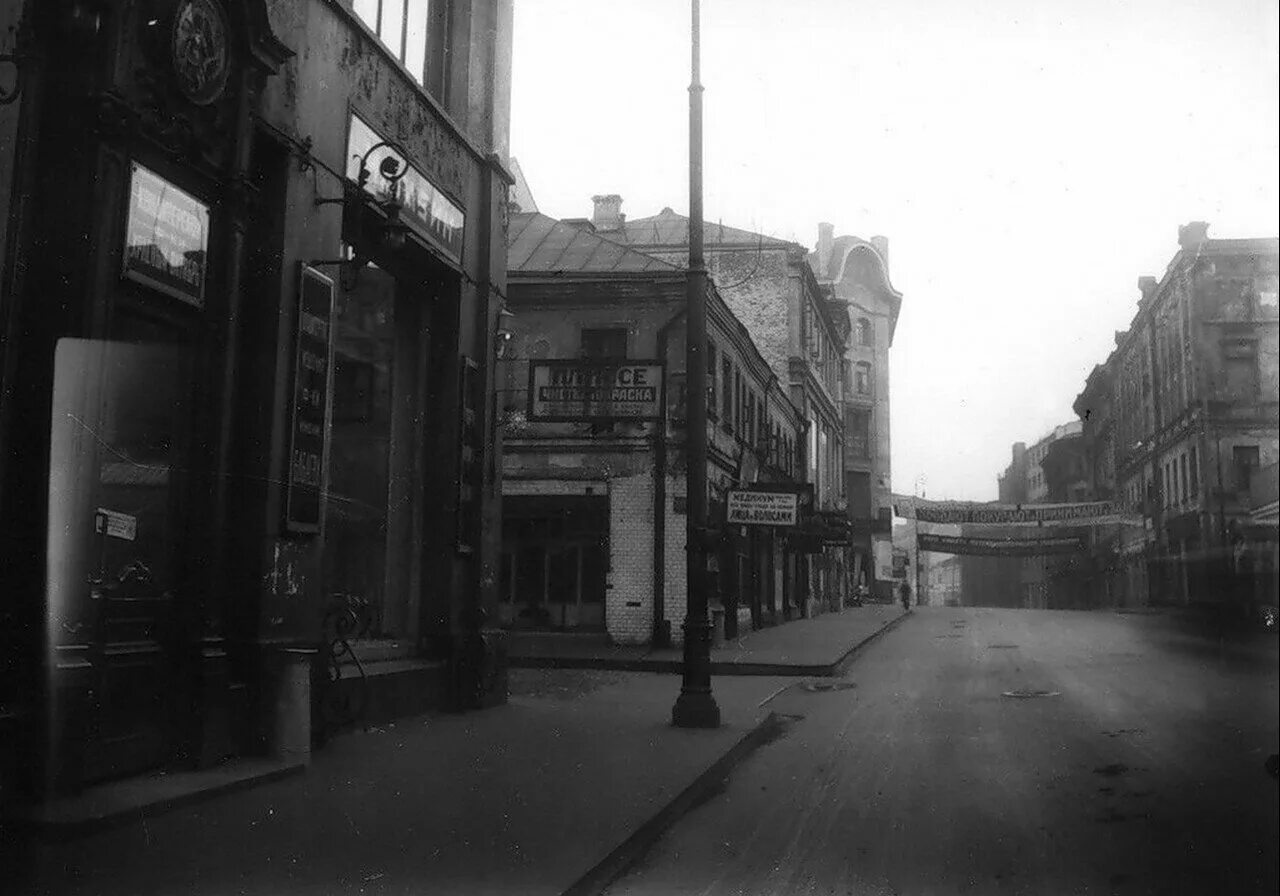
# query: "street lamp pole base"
{"points": [[695, 710]]}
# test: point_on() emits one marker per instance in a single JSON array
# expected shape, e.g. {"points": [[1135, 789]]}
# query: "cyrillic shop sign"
{"points": [[762, 508], [581, 390]]}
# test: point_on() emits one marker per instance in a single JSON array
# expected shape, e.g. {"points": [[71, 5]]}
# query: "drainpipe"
{"points": [[661, 627]]}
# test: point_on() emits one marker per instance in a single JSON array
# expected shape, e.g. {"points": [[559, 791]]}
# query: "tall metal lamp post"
{"points": [[696, 706]]}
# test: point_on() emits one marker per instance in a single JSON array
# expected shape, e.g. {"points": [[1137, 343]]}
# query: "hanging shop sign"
{"points": [[588, 390], [762, 508], [424, 208], [976, 513], [308, 450], [166, 237], [1001, 547]]}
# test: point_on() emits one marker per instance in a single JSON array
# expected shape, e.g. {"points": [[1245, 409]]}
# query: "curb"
{"points": [[676, 667], [842, 665], [30, 824], [706, 785]]}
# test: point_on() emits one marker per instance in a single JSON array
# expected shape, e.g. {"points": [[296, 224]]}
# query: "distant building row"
{"points": [[1179, 424]]}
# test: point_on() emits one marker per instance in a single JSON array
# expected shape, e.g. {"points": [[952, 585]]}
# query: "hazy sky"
{"points": [[1028, 161]]}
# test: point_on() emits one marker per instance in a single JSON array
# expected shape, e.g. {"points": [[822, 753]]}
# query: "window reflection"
{"points": [[355, 553]]}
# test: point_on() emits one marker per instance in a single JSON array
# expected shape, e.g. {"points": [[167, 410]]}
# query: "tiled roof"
{"points": [[667, 228], [539, 244]]}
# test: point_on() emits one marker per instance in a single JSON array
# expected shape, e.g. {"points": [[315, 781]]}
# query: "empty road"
{"points": [[993, 751]]}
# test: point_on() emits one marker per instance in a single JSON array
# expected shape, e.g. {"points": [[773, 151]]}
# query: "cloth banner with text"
{"points": [[1087, 513], [1001, 547]]}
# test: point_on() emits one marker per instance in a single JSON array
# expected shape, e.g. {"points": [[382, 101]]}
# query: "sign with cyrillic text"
{"points": [[1000, 547], [588, 390], [977, 513], [166, 237], [310, 429], [752, 508]]}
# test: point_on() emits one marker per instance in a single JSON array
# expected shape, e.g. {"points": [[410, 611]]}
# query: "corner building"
{"points": [[247, 375], [800, 333], [594, 512]]}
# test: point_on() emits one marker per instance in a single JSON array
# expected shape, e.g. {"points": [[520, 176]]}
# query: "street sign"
{"points": [[591, 390], [762, 508]]}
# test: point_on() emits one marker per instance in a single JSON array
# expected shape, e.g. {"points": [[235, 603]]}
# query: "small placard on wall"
{"points": [[115, 524]]}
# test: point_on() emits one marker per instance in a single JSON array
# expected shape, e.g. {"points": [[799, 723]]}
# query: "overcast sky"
{"points": [[1028, 161]]}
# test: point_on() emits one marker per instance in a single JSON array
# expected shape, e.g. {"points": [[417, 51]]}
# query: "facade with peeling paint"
{"points": [[247, 417]]}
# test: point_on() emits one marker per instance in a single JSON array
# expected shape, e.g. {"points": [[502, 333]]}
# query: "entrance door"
{"points": [[119, 464]]}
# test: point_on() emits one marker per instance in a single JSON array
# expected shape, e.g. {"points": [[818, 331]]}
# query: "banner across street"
{"points": [[1000, 547], [978, 513]]}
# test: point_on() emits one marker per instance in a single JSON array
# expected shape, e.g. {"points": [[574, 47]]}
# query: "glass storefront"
{"points": [[369, 356]]}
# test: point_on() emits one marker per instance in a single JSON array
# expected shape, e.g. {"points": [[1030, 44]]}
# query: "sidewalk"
{"points": [[551, 793], [819, 646], [525, 798]]}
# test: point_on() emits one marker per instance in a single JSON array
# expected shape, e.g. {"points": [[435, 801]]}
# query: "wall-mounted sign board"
{"points": [[423, 206], [309, 430], [591, 390], [762, 508], [166, 237]]}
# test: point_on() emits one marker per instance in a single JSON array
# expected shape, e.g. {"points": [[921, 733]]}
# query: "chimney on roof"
{"points": [[1192, 234], [825, 233], [882, 246], [608, 212]]}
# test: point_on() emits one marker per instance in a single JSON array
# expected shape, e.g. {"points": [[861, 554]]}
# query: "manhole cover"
{"points": [[818, 686], [1026, 694], [1002, 647]]}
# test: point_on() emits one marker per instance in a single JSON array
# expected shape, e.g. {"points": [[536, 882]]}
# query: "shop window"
{"points": [[609, 344], [369, 444], [560, 559]]}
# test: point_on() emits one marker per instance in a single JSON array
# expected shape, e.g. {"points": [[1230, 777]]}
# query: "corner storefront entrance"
{"points": [[554, 562]]}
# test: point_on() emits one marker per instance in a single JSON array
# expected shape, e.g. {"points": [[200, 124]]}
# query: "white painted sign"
{"points": [[762, 508], [596, 390], [115, 524]]}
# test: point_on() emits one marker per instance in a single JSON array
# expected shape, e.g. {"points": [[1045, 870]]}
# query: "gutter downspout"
{"points": [[661, 636]]}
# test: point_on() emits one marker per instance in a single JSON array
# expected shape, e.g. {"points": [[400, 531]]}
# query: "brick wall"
{"points": [[757, 287], [629, 599]]}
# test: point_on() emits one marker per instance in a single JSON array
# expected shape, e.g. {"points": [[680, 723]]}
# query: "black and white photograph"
{"points": [[639, 448]]}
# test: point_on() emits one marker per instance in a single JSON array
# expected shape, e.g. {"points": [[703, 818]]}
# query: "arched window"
{"points": [[862, 378], [864, 331]]}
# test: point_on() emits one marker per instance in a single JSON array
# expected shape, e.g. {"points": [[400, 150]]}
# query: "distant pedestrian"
{"points": [[904, 592]]}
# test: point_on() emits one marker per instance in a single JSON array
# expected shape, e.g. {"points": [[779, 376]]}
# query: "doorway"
{"points": [[121, 465]]}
